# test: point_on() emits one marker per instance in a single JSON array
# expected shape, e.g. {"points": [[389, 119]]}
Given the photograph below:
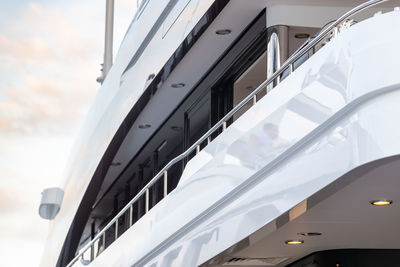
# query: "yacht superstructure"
{"points": [[241, 133]]}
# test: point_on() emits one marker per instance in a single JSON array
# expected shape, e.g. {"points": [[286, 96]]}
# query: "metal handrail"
{"points": [[222, 123]]}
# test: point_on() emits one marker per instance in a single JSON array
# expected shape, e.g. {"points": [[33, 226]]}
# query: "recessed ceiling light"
{"points": [[301, 35], [309, 234], [223, 31], [381, 202], [294, 242], [177, 85], [144, 126]]}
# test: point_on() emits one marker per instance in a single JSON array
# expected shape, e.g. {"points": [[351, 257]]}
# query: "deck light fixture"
{"points": [[381, 202], [178, 85], [144, 126], [223, 31], [294, 242]]}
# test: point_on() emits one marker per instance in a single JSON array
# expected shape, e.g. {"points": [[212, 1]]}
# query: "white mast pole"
{"points": [[108, 42]]}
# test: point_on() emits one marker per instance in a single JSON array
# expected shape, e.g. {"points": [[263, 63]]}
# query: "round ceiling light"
{"points": [[177, 85], [294, 242], [301, 35], [381, 202], [144, 126], [223, 31]]}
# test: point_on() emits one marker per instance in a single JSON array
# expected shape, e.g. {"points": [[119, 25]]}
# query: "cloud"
{"points": [[29, 48], [42, 105], [50, 63]]}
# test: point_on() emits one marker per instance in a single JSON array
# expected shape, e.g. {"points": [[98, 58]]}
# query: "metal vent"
{"points": [[255, 261]]}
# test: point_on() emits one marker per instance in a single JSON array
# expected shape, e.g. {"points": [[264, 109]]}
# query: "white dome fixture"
{"points": [[51, 202]]}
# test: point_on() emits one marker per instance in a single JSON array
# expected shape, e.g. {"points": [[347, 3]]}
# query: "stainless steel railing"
{"points": [[222, 124]]}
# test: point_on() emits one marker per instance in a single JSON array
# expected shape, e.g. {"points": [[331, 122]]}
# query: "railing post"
{"points": [[310, 52], [147, 200], [130, 215], [116, 229], [224, 126], [208, 140], [104, 240], [335, 32], [165, 183], [291, 68], [92, 252], [197, 149], [254, 99]]}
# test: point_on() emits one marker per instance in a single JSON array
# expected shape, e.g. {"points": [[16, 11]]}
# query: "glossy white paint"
{"points": [[247, 176]]}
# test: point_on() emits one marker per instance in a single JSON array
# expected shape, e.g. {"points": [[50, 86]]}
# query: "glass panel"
{"points": [[247, 82]]}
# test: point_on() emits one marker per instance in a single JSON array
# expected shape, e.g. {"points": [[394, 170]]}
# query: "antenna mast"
{"points": [[108, 42]]}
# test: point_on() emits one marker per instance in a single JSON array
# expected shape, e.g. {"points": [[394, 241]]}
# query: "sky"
{"points": [[50, 55]]}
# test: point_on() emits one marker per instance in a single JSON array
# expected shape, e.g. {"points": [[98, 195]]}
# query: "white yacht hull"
{"points": [[335, 113]]}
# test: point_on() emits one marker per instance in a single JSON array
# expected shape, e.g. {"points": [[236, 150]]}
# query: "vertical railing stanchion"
{"points": [[224, 126], [104, 240], [116, 229], [165, 183], [291, 68], [197, 149], [92, 252], [335, 32], [254, 99], [147, 199], [208, 140], [131, 215], [310, 53]]}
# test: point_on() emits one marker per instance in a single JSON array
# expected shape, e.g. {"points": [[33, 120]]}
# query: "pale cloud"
{"points": [[43, 34], [53, 64], [49, 61], [32, 49]]}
